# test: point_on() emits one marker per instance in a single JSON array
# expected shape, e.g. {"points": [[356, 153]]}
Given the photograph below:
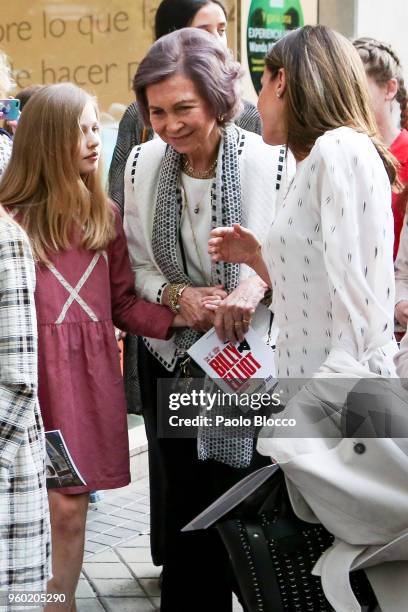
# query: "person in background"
{"points": [[25, 94], [387, 88], [171, 15], [85, 286], [6, 84], [202, 168], [24, 516], [401, 289]]}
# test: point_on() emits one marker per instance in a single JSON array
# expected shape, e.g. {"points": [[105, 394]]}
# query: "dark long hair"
{"points": [[176, 14], [326, 88]]}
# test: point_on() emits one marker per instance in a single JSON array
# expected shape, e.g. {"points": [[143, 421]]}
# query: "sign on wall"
{"points": [[268, 21], [96, 44], [263, 22]]}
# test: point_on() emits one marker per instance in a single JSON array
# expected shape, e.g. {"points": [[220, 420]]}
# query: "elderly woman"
{"points": [[200, 172], [171, 15]]}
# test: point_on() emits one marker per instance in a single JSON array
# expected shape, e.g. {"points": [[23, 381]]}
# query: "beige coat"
{"points": [[358, 489]]}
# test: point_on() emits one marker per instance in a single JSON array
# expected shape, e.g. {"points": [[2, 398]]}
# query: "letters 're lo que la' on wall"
{"points": [[96, 44]]}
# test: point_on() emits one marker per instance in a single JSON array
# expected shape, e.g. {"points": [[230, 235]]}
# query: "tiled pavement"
{"points": [[118, 574]]}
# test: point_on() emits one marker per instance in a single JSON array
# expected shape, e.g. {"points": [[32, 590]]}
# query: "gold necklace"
{"points": [[206, 279], [200, 174], [202, 198]]}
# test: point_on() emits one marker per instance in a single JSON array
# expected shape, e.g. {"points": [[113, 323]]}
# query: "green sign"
{"points": [[268, 21]]}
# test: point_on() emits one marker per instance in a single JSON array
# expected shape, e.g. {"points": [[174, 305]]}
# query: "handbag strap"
{"points": [[251, 561], [267, 583]]}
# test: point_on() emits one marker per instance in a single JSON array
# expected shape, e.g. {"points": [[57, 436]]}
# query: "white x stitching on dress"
{"points": [[74, 291]]}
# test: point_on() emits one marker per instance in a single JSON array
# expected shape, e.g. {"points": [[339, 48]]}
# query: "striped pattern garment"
{"points": [[24, 519]]}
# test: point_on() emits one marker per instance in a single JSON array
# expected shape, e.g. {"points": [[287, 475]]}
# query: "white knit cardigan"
{"points": [[263, 174]]}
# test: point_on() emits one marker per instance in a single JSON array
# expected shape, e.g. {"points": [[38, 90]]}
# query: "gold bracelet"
{"points": [[179, 292], [172, 297], [175, 291]]}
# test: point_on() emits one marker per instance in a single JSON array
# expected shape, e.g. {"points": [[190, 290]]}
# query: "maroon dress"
{"points": [[79, 299]]}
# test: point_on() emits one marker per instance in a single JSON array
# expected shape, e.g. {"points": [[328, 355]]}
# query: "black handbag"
{"points": [[273, 552]]}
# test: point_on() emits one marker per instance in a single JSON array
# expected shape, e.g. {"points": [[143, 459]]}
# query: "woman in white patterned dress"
{"points": [[24, 521], [328, 258]]}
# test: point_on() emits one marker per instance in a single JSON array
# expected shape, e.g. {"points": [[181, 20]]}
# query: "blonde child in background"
{"points": [[387, 89]]}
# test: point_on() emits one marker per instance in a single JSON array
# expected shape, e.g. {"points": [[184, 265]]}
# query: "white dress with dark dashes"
{"points": [[329, 256]]}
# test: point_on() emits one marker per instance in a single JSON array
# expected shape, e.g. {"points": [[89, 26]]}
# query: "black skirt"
{"points": [[196, 566]]}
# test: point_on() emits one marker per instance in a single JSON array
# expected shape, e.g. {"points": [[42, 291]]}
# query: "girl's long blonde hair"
{"points": [[42, 180], [326, 88]]}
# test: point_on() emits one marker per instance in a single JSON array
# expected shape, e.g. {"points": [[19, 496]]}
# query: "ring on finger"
{"points": [[246, 321], [237, 324]]}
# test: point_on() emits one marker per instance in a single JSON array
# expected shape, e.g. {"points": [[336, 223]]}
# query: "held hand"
{"points": [[401, 312], [211, 302], [233, 316], [192, 310], [234, 244], [178, 321]]}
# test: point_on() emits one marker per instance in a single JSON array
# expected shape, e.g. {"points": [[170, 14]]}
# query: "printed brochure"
{"points": [[60, 467], [241, 367]]}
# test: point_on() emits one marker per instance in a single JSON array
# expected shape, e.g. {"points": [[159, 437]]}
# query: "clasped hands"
{"points": [[206, 307]]}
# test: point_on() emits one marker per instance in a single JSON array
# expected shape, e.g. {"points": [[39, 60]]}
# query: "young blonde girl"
{"points": [[85, 286]]}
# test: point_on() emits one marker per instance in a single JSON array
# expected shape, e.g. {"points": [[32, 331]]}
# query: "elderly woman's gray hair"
{"points": [[200, 57]]}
